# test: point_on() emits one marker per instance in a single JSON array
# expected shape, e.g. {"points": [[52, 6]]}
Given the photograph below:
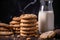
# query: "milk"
{"points": [[42, 21], [45, 21], [46, 17], [50, 19]]}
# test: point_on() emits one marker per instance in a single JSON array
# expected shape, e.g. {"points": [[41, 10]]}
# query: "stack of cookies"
{"points": [[5, 31], [28, 25], [15, 23]]}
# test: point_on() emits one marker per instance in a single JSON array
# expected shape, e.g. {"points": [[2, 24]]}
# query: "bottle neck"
{"points": [[47, 5], [50, 7]]}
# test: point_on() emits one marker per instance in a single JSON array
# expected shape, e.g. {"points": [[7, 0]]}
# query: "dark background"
{"points": [[11, 8]]}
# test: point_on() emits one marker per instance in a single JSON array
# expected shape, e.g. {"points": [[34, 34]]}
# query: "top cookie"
{"points": [[16, 19], [26, 16]]}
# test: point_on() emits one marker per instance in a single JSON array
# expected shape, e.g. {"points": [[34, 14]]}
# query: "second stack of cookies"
{"points": [[15, 23], [28, 25]]}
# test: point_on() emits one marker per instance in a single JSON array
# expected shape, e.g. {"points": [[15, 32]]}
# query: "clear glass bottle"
{"points": [[50, 14], [46, 16]]}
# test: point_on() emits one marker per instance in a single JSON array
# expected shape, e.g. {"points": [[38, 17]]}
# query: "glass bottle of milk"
{"points": [[46, 16]]}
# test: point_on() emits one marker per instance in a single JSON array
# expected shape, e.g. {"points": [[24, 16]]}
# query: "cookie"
{"points": [[48, 34], [15, 26], [26, 16], [14, 22], [31, 21], [33, 28], [27, 34], [5, 33], [51, 34], [3, 24], [3, 29], [21, 31], [28, 38], [16, 18], [23, 24]]}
